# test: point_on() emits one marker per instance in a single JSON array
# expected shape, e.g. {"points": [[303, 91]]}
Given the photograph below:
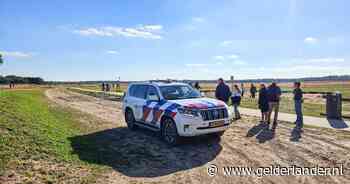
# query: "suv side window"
{"points": [[152, 94], [139, 91], [132, 90]]}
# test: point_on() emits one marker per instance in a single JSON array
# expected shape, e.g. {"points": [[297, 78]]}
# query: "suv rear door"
{"points": [[137, 98], [152, 98]]}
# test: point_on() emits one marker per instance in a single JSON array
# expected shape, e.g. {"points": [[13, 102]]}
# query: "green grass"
{"points": [[33, 130], [287, 106], [342, 88]]}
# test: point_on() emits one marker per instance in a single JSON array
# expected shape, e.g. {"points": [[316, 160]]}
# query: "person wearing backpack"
{"points": [[274, 95]]}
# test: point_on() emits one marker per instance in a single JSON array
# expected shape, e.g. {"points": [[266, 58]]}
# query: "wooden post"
{"points": [[232, 83]]}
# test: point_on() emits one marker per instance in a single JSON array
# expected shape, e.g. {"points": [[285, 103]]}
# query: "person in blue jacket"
{"points": [[222, 91]]}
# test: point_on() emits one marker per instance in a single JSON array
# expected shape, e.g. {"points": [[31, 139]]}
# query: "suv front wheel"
{"points": [[169, 132], [130, 119]]}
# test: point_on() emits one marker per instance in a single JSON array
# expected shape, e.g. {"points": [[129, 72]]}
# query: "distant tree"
{"points": [[20, 80], [1, 61]]}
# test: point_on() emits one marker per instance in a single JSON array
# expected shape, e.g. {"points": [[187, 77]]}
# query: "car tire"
{"points": [[130, 119], [169, 132], [219, 134]]}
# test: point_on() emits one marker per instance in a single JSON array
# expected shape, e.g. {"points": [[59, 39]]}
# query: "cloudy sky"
{"points": [[183, 39]]}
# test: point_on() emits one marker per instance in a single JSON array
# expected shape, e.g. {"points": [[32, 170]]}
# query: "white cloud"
{"points": [[226, 57], [310, 40], [194, 24], [220, 58], [112, 52], [226, 43], [196, 65], [308, 70], [17, 54], [233, 56], [198, 19], [239, 62], [142, 31], [151, 27], [325, 60]]}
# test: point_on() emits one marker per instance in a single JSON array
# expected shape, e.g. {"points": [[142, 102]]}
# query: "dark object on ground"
{"points": [[334, 106]]}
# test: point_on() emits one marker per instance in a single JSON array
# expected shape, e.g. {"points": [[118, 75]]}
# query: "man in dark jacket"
{"points": [[222, 91], [263, 102], [253, 90]]}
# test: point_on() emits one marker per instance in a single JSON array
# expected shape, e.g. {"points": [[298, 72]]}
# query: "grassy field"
{"points": [[34, 140], [313, 106], [343, 87]]}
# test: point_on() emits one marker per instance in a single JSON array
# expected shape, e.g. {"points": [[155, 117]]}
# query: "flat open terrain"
{"points": [[61, 136], [314, 104]]}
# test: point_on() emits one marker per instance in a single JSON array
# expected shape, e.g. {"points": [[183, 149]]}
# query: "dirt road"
{"points": [[141, 157]]}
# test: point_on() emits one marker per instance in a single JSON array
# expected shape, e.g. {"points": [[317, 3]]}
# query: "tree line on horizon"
{"points": [[20, 80]]}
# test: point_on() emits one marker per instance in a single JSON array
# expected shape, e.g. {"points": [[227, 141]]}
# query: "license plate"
{"points": [[216, 123]]}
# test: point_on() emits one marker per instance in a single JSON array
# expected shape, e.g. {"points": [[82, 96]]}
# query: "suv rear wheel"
{"points": [[130, 119], [169, 132], [219, 134]]}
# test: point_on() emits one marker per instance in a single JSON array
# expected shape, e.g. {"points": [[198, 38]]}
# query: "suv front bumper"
{"points": [[189, 126]]}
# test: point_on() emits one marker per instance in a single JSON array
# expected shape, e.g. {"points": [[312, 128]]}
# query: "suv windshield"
{"points": [[178, 92]]}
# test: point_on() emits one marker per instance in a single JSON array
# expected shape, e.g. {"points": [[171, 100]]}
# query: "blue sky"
{"points": [[182, 39]]}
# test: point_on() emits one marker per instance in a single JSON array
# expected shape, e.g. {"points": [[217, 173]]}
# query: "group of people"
{"points": [[224, 93], [105, 87], [12, 85], [268, 101]]}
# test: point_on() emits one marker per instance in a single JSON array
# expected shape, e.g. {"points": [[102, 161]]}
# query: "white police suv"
{"points": [[175, 110]]}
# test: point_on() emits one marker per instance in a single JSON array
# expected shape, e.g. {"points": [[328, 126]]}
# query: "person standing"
{"points": [[298, 101], [242, 89], [222, 91], [236, 101], [103, 86], [196, 85], [108, 87], [274, 95], [253, 90], [263, 103]]}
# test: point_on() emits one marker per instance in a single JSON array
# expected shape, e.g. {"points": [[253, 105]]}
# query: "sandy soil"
{"points": [[141, 157]]}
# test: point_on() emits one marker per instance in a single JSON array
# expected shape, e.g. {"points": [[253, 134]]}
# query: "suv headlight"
{"points": [[188, 112]]}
